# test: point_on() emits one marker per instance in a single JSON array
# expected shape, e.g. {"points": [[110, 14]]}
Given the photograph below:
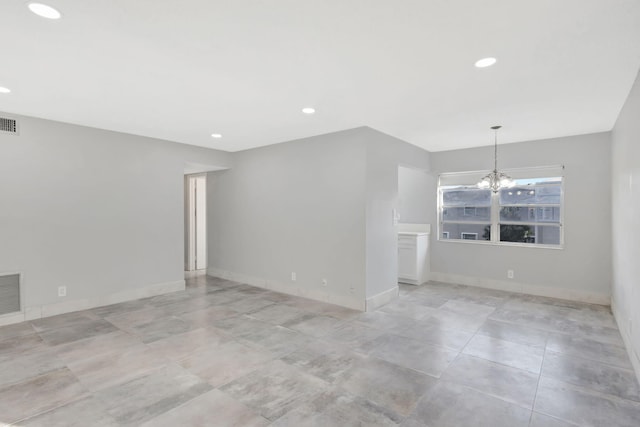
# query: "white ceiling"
{"points": [[183, 69]]}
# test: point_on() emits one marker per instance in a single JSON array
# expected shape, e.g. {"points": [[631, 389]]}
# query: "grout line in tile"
{"points": [[535, 396]]}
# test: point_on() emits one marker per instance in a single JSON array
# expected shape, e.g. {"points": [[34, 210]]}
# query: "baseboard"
{"points": [[47, 310], [522, 288], [11, 318], [382, 298], [634, 357], [408, 281], [195, 273], [290, 289]]}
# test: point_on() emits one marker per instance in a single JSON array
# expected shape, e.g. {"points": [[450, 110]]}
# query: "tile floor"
{"points": [[228, 354]]}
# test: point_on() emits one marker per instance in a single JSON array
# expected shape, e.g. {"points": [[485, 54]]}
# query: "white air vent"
{"points": [[8, 125]]}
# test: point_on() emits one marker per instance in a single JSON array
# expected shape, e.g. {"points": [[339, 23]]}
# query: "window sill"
{"points": [[511, 244]]}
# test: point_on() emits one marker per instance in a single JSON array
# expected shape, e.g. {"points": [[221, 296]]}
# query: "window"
{"points": [[469, 211], [529, 213]]}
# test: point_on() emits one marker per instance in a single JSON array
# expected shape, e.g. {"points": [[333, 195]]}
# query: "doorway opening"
{"points": [[195, 222]]}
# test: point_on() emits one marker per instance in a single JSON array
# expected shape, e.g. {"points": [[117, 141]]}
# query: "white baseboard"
{"points": [[287, 288], [522, 288], [382, 298], [11, 318], [408, 281], [195, 273], [46, 310], [634, 357]]}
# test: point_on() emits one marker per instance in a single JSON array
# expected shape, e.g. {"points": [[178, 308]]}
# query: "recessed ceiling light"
{"points": [[216, 135], [308, 110], [5, 90], [44, 10], [485, 62]]}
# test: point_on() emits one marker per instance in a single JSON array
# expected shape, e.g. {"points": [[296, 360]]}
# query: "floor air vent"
{"points": [[8, 125], [9, 293]]}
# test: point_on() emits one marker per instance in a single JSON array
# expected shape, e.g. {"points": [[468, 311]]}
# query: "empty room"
{"points": [[320, 213]]}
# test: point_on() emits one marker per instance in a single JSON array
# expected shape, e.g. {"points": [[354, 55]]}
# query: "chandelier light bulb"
{"points": [[506, 182]]}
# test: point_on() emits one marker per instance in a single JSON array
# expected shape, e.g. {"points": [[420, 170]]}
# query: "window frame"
{"points": [[475, 210], [494, 213]]}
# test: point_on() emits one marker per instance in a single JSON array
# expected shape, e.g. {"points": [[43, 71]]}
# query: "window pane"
{"points": [[466, 231], [468, 213], [531, 194], [471, 197], [535, 234], [530, 214]]}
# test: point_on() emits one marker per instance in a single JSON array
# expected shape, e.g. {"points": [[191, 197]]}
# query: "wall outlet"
{"points": [[509, 274], [293, 276], [62, 291], [352, 290], [324, 282]]}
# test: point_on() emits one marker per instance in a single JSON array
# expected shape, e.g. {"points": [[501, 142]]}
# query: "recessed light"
{"points": [[485, 62], [308, 110], [5, 90], [216, 135], [44, 11]]}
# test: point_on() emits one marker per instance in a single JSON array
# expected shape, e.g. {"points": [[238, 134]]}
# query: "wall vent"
{"points": [[8, 125], [10, 293]]}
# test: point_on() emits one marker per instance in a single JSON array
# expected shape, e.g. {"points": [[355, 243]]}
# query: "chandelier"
{"points": [[496, 180]]}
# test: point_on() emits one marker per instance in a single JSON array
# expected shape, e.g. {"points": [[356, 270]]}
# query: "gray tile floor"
{"points": [[228, 354]]}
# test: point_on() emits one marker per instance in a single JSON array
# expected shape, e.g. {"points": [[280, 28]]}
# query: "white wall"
{"points": [[96, 211], [384, 155], [415, 190], [580, 271], [626, 223], [320, 207], [298, 207]]}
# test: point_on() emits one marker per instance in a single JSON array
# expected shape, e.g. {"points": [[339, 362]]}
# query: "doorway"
{"points": [[196, 222]]}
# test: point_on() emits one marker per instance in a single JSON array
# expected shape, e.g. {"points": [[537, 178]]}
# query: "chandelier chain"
{"points": [[496, 180], [495, 149]]}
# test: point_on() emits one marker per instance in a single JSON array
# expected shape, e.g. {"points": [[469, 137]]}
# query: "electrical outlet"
{"points": [[352, 289], [509, 274], [62, 291], [324, 282], [293, 276]]}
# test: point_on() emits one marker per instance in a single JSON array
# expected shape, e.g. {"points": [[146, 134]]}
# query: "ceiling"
{"points": [[181, 70]]}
